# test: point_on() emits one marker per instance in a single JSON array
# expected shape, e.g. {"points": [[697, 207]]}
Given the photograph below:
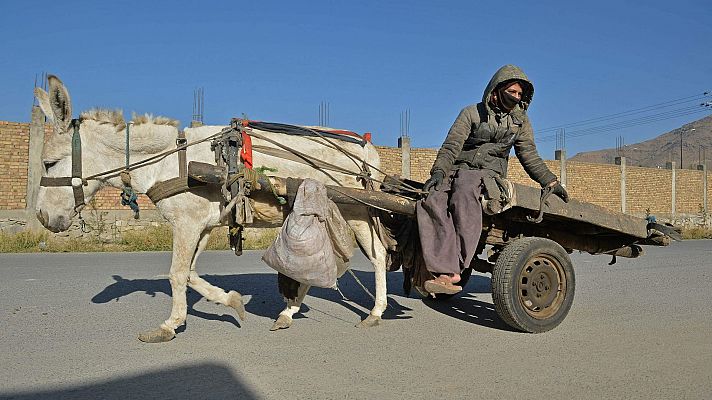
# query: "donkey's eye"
{"points": [[49, 164]]}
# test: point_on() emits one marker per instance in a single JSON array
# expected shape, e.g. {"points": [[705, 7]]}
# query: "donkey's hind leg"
{"points": [[185, 244], [371, 245], [284, 320], [213, 293]]}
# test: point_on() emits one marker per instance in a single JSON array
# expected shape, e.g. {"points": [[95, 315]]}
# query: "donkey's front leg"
{"points": [[284, 320], [213, 293], [185, 242]]}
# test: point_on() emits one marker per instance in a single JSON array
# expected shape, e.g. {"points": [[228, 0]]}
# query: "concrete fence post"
{"points": [[704, 197], [621, 161], [404, 144], [34, 165], [703, 168], [560, 155], [671, 165]]}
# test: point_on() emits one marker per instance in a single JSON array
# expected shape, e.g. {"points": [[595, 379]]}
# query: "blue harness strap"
{"points": [[128, 195]]}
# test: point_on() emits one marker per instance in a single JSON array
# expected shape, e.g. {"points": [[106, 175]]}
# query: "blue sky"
{"points": [[370, 60]]}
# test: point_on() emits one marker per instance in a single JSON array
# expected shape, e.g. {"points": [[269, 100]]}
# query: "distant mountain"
{"points": [[666, 147]]}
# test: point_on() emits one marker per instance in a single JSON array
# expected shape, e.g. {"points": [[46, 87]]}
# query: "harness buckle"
{"points": [[181, 142]]}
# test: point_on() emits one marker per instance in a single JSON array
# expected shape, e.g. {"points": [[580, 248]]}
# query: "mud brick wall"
{"points": [[596, 183], [421, 160], [688, 186], [709, 192], [599, 184], [390, 160], [516, 173], [648, 188], [109, 198], [14, 147]]}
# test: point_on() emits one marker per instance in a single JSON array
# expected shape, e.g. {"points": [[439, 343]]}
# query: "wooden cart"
{"points": [[533, 279]]}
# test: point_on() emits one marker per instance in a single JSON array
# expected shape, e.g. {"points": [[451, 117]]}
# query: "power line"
{"points": [[599, 130], [643, 118], [654, 107], [628, 123]]}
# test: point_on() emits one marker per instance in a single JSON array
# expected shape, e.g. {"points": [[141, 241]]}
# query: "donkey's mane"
{"points": [[149, 134], [156, 120], [116, 118], [105, 116]]}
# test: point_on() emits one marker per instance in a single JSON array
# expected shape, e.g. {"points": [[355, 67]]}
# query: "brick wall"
{"points": [[421, 160], [599, 184], [709, 192], [109, 199], [14, 148], [646, 188], [688, 186], [390, 160]]}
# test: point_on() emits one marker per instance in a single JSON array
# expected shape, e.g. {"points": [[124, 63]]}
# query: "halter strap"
{"points": [[75, 181]]}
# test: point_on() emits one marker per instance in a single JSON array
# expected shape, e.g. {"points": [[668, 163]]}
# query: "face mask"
{"points": [[507, 100]]}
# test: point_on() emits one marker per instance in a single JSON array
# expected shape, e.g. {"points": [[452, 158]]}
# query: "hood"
{"points": [[507, 73]]}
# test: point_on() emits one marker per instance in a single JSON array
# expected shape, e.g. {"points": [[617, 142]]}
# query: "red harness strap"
{"points": [[246, 152]]}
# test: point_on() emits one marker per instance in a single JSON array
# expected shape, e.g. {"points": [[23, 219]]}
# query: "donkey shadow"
{"points": [[265, 299]]}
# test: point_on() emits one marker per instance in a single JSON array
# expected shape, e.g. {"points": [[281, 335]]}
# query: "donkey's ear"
{"points": [[60, 102], [43, 99]]}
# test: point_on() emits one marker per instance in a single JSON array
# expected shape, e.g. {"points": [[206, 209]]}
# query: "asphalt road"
{"points": [[68, 324]]}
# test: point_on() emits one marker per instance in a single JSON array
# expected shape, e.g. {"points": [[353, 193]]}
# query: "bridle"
{"points": [[75, 181]]}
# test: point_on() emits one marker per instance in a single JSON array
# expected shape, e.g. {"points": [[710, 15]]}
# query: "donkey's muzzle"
{"points": [[58, 224], [42, 217]]}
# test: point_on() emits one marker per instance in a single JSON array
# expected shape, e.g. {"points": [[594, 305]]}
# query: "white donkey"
{"points": [[192, 214]]}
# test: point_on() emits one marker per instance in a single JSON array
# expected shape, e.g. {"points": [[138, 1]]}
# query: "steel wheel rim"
{"points": [[542, 286]]}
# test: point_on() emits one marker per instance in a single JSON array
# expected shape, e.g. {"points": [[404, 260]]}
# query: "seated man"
{"points": [[476, 147]]}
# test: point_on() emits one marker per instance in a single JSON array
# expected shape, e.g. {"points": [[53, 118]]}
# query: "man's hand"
{"points": [[435, 181], [559, 190]]}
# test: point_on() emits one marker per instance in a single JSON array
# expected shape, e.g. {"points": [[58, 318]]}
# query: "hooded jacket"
{"points": [[482, 136]]}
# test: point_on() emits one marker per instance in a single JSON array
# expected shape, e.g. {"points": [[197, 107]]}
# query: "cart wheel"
{"points": [[464, 278], [533, 284]]}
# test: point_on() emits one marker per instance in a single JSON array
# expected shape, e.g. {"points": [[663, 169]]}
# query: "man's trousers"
{"points": [[450, 222]]}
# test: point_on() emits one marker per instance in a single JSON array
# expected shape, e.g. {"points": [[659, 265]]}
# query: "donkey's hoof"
{"points": [[369, 322], [159, 335], [235, 301], [282, 322]]}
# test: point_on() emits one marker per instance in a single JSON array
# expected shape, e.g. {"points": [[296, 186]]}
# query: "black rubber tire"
{"points": [[533, 284]]}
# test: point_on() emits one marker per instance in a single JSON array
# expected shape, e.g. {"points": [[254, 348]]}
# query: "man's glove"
{"points": [[435, 181], [559, 190]]}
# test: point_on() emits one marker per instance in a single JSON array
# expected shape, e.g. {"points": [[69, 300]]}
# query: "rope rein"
{"points": [[313, 161], [129, 196], [402, 184], [113, 173]]}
